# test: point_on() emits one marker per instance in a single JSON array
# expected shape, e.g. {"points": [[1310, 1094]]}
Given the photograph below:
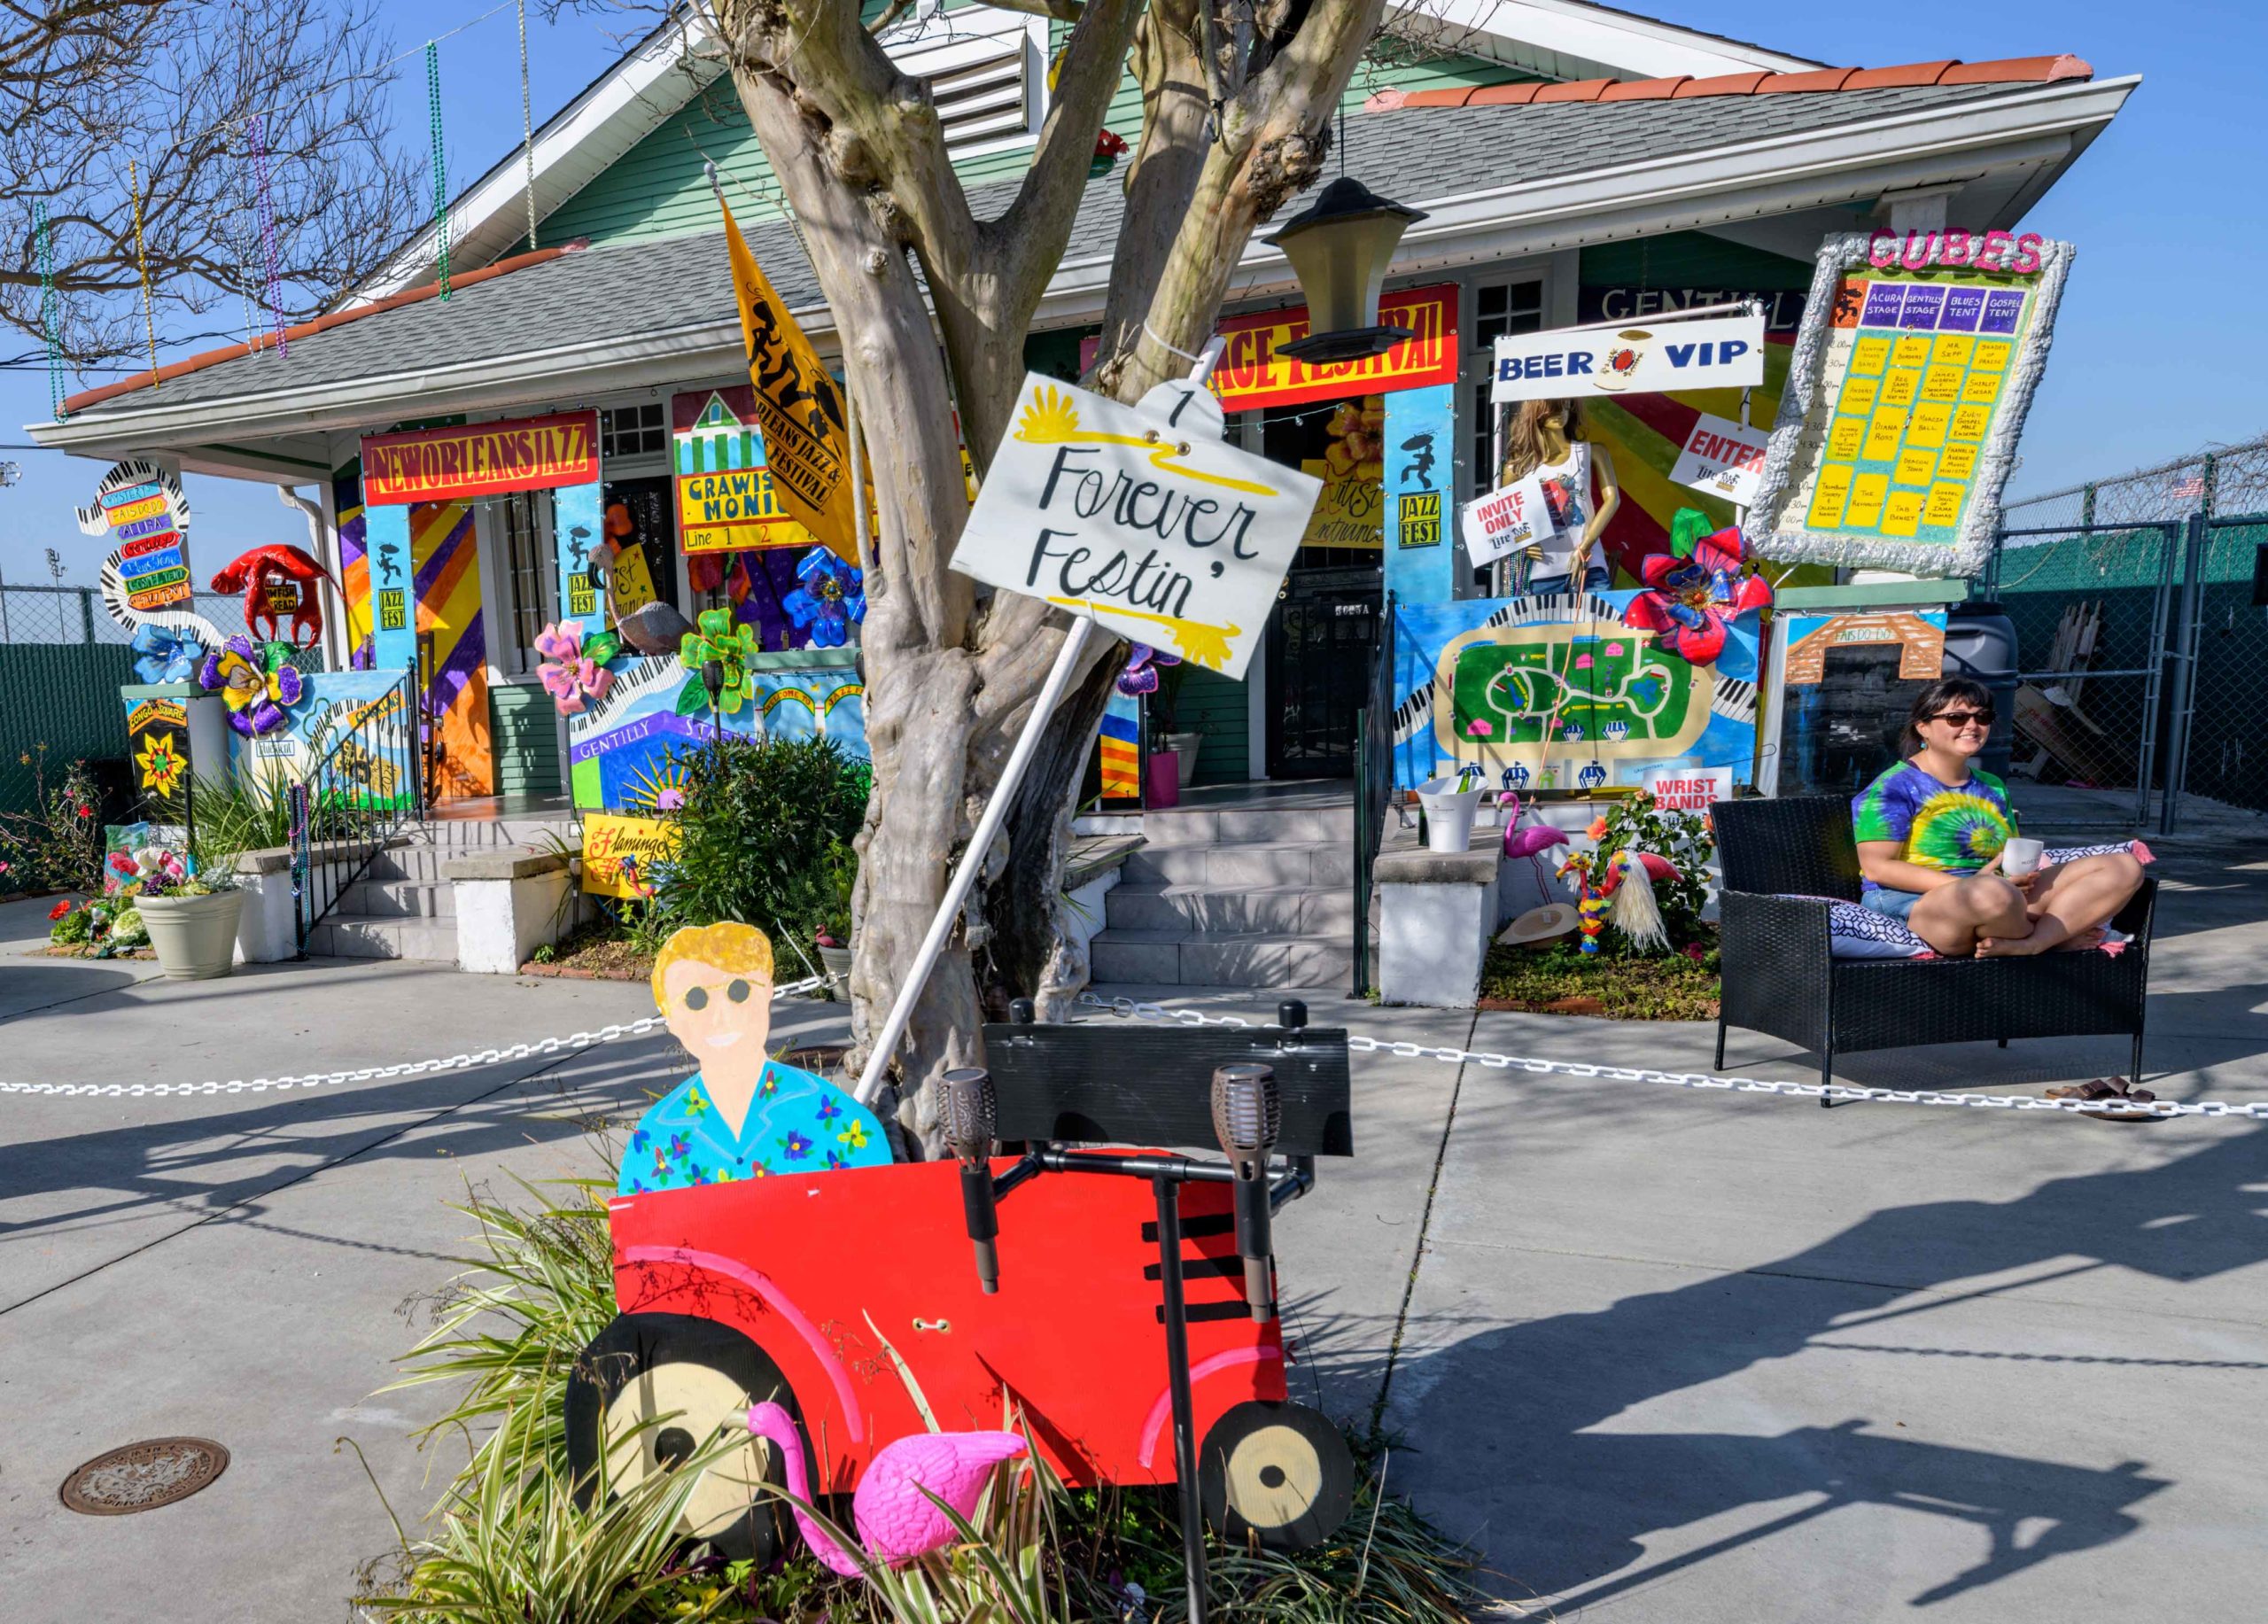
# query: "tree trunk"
{"points": [[952, 672]]}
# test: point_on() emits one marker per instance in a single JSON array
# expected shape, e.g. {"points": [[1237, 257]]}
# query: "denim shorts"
{"points": [[1898, 904], [1596, 578]]}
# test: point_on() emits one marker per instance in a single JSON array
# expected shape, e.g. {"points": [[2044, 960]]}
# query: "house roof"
{"points": [[1685, 86], [1543, 176]]}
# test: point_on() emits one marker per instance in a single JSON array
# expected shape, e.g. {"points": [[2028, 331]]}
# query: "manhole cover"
{"points": [[142, 1477]]}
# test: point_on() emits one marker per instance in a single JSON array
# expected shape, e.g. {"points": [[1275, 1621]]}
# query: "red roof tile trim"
{"points": [[80, 401], [2008, 70]]}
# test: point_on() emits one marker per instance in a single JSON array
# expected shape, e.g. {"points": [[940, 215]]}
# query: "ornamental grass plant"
{"points": [[507, 1545]]}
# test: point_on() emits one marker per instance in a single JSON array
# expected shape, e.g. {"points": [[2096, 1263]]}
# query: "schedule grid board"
{"points": [[1906, 396], [1915, 374]]}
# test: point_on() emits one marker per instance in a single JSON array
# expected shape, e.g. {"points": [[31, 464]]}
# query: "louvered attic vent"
{"points": [[979, 75]]}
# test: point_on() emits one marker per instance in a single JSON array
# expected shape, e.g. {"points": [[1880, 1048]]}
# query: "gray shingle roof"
{"points": [[651, 288]]}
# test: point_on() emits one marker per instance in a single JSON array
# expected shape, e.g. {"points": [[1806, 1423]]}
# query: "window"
{"points": [[524, 523], [640, 430], [1499, 310]]}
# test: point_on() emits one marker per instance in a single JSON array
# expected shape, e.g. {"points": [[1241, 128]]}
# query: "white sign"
{"points": [[1690, 789], [1505, 521], [1717, 351], [1141, 516], [1723, 459]]}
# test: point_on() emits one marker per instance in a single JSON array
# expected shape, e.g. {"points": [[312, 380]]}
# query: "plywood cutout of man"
{"points": [[743, 1115]]}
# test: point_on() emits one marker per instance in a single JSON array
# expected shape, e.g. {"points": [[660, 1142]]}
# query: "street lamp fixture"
{"points": [[1340, 248]]}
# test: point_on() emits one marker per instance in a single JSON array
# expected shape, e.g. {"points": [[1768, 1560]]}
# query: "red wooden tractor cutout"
{"points": [[784, 1289]]}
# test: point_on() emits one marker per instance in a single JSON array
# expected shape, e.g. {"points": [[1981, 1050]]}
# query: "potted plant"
{"points": [[190, 903], [833, 937], [1165, 722]]}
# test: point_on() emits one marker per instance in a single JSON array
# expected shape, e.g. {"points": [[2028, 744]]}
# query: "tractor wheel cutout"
{"points": [[1277, 1474], [652, 1389]]}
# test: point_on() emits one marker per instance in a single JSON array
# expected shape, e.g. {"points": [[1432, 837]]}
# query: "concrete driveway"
{"points": [[1663, 1356]]}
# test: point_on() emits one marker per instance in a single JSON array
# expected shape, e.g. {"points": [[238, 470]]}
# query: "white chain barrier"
{"points": [[375, 1074], [1357, 1042]]}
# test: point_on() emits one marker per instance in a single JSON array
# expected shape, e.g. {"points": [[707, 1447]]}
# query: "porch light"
{"points": [[1340, 249]]}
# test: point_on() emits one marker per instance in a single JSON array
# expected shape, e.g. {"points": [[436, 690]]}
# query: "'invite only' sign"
{"points": [[1140, 516]]}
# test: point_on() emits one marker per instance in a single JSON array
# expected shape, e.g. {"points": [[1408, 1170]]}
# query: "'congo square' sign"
{"points": [[145, 509], [1906, 396], [1139, 517]]}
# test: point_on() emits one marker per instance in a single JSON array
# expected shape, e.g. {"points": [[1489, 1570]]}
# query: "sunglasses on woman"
{"points": [[1962, 719]]}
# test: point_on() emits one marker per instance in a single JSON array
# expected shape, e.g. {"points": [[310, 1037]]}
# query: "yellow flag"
{"points": [[798, 406]]}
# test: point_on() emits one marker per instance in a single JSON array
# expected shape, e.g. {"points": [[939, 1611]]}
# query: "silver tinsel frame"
{"points": [[1776, 528]]}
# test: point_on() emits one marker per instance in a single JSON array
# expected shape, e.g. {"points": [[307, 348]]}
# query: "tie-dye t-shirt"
{"points": [[1952, 829], [796, 1124]]}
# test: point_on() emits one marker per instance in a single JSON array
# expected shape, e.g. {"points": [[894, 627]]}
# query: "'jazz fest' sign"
{"points": [[1140, 516]]}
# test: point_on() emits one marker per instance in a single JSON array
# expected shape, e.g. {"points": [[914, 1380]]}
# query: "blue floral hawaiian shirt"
{"points": [[796, 1124]]}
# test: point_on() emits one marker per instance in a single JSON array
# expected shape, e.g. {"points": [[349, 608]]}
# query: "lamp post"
{"points": [[1340, 248]]}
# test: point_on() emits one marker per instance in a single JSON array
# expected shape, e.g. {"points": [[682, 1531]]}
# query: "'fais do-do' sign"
{"points": [[1140, 516]]}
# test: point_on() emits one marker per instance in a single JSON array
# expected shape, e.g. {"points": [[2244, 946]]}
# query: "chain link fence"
{"points": [[2140, 635], [62, 661]]}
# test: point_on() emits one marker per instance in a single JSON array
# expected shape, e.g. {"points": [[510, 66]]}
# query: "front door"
{"points": [[1320, 642]]}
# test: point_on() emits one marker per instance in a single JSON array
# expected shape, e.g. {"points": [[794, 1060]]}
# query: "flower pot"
{"points": [[1161, 784], [1185, 745], [194, 936], [835, 961]]}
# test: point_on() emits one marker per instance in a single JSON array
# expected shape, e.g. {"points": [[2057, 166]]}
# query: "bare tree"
{"points": [[1238, 100], [175, 87]]}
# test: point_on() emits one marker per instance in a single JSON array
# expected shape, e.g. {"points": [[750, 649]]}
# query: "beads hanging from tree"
{"points": [[49, 317], [527, 123], [141, 260], [268, 232], [440, 167]]}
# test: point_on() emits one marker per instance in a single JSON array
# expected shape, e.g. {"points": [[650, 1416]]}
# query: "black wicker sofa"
{"points": [[1780, 857]]}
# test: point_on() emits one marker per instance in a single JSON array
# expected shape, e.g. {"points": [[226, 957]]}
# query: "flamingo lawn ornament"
{"points": [[896, 1521]]}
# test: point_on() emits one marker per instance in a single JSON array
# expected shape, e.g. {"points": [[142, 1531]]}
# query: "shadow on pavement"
{"points": [[1513, 1421]]}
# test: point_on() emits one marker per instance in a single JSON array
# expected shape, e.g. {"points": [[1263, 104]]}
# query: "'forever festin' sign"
{"points": [[1140, 516]]}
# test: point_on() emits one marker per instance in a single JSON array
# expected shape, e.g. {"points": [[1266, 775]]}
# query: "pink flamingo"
{"points": [[894, 1521], [1528, 842]]}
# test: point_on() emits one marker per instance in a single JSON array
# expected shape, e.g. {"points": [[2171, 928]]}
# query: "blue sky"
{"points": [[2153, 356]]}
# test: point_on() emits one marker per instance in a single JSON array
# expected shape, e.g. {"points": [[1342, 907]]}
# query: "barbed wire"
{"points": [[471, 1061], [1704, 1081]]}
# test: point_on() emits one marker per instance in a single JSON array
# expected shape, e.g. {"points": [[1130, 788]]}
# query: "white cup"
{"points": [[2021, 855]]}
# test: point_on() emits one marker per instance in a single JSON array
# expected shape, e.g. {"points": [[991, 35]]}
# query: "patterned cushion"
{"points": [[1855, 931]]}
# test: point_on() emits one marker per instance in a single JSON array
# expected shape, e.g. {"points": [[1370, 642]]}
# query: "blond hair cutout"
{"points": [[743, 950]]}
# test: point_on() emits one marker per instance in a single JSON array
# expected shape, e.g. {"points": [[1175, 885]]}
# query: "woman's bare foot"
{"points": [[2012, 947], [2092, 936]]}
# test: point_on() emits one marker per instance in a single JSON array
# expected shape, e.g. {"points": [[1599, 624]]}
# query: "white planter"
{"points": [[1185, 745], [194, 936], [1449, 813], [835, 961]]}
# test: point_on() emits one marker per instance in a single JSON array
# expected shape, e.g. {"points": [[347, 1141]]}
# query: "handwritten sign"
{"points": [[1716, 352], [1919, 638], [1722, 458], [1503, 521], [146, 510], [482, 459], [1140, 516], [619, 853], [727, 501], [1689, 789]]}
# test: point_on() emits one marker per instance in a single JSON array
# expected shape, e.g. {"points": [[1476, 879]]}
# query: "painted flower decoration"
{"points": [[256, 697], [830, 599], [1143, 664], [1689, 601], [731, 647], [162, 764], [573, 671], [159, 656]]}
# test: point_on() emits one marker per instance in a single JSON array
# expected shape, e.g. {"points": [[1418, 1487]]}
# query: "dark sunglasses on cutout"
{"points": [[697, 998]]}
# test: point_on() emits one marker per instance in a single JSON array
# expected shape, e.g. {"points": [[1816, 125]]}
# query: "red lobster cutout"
{"points": [[258, 575]]}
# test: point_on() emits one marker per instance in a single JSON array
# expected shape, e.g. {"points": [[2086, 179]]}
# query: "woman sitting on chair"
{"points": [[1931, 832]]}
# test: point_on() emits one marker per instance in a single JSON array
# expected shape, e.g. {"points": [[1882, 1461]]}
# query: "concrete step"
{"points": [[352, 935], [416, 862], [1188, 958], [1311, 864], [401, 899], [1285, 910], [1249, 826]]}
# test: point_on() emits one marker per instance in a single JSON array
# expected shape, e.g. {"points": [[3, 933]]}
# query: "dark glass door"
{"points": [[1319, 645]]}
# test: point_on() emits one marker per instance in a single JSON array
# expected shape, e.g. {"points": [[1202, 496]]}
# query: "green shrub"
{"points": [[58, 845], [73, 929], [754, 836], [1638, 825]]}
